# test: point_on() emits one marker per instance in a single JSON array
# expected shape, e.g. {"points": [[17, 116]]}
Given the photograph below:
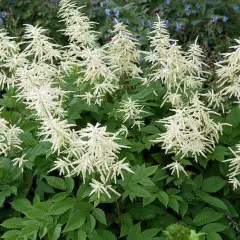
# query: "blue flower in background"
{"points": [[235, 8], [108, 11], [198, 6], [168, 2], [166, 22], [116, 12], [3, 15], [187, 8], [214, 19], [225, 19], [140, 60], [127, 22], [178, 26], [137, 38], [142, 23], [183, 1]]}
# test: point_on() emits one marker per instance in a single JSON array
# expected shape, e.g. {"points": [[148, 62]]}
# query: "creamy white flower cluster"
{"points": [[190, 130], [78, 27], [227, 83], [228, 86], [37, 86], [7, 46], [39, 45], [123, 54], [91, 151], [98, 74], [234, 168], [101, 67], [84, 53], [9, 137], [132, 110], [179, 71], [228, 72], [9, 134]]}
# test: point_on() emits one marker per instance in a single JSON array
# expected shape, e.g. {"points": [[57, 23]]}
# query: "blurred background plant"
{"points": [[216, 22]]}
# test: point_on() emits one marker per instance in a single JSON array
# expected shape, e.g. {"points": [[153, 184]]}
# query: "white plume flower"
{"points": [[78, 27], [117, 169], [123, 131], [94, 61], [228, 73], [76, 146], [132, 110], [19, 161], [4, 80], [62, 165], [194, 57], [7, 47], [93, 150], [89, 97], [9, 137], [55, 131], [175, 167], [215, 99], [97, 73], [234, 166], [178, 71], [190, 130], [39, 45], [15, 61], [97, 153], [159, 41], [95, 65], [235, 183], [36, 83], [122, 52], [100, 188], [174, 98], [45, 100]]}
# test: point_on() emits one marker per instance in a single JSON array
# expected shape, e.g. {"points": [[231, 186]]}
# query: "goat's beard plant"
{"points": [[37, 69]]}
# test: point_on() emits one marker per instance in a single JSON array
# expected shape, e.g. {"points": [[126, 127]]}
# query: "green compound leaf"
{"points": [[75, 221], [206, 217], [56, 182], [100, 215], [213, 184]]}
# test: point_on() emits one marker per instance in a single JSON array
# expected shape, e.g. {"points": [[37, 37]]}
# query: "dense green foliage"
{"points": [[202, 200], [154, 205]]}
